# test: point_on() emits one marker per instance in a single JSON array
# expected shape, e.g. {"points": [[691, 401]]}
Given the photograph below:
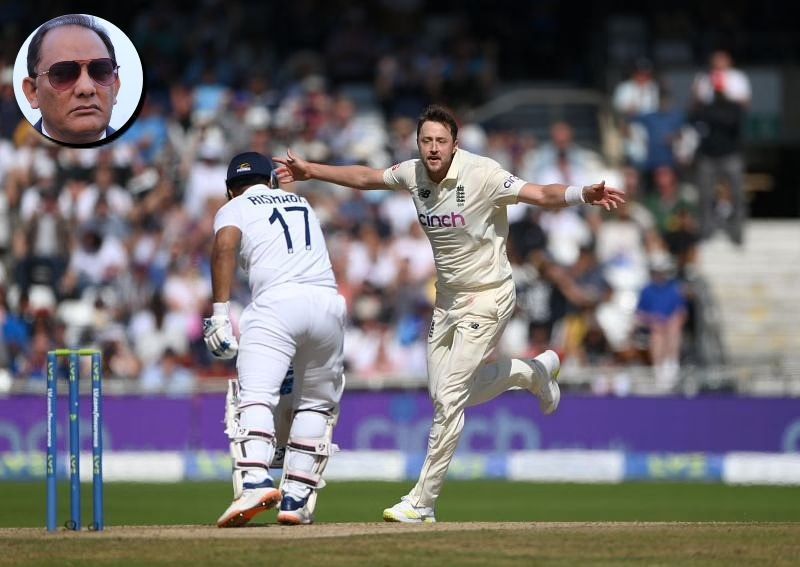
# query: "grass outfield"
{"points": [[23, 504], [481, 523], [439, 545]]}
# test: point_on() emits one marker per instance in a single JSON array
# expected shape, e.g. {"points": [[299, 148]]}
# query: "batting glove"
{"points": [[218, 333]]}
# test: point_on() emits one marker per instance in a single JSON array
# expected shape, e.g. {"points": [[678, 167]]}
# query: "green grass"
{"points": [[720, 545], [764, 528], [23, 504]]}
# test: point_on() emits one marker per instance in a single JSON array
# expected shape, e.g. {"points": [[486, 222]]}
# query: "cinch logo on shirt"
{"points": [[451, 220]]}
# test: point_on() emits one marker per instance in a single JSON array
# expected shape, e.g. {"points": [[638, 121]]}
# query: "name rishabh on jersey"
{"points": [[282, 241], [464, 217]]}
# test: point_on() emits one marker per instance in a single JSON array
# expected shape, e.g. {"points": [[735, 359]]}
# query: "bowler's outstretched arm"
{"points": [[294, 168], [557, 195]]}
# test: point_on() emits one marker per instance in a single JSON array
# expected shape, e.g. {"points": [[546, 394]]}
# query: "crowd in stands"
{"points": [[110, 246]]}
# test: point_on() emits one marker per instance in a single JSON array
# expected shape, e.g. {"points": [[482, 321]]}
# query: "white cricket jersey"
{"points": [[464, 217], [282, 241]]}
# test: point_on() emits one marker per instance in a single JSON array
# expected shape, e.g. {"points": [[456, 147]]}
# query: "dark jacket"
{"points": [[38, 128], [719, 125]]}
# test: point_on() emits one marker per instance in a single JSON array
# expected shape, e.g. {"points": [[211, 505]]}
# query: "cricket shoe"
{"points": [[545, 381], [295, 511], [406, 513], [255, 498]]}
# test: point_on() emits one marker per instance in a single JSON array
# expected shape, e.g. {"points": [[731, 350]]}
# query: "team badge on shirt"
{"points": [[461, 197]]}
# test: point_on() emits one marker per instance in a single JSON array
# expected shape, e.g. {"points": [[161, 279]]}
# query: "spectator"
{"points": [[661, 314], [639, 93], [623, 244], [10, 114], [118, 200], [207, 175], [402, 139], [168, 375], [354, 138], [34, 366], [669, 197], [469, 73], [148, 132], [163, 186], [663, 129], [181, 130], [561, 160], [118, 358], [632, 182], [154, 330], [186, 292], [46, 245], [634, 97], [722, 78], [210, 95], [721, 97], [399, 83], [97, 261], [45, 181], [16, 328], [369, 264], [582, 288], [682, 239], [412, 254]]}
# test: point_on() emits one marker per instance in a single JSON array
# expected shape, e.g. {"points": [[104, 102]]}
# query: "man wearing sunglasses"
{"points": [[72, 79]]}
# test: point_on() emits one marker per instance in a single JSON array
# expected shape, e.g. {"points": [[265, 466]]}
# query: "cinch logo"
{"points": [[451, 220]]}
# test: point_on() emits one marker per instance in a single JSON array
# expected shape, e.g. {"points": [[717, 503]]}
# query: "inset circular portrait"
{"points": [[78, 80]]}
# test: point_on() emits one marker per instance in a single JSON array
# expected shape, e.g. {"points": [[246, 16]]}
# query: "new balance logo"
{"points": [[423, 193], [473, 325]]}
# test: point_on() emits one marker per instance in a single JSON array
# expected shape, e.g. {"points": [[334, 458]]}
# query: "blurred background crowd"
{"points": [[110, 246]]}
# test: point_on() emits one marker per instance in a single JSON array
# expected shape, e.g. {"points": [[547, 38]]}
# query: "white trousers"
{"points": [[306, 328], [464, 331]]}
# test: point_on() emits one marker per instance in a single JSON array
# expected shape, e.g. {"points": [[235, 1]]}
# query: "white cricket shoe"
{"points": [[295, 511], [254, 500], [406, 513], [545, 381]]}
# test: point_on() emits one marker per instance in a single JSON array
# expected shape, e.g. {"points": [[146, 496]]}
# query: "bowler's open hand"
{"points": [[602, 196], [293, 168]]}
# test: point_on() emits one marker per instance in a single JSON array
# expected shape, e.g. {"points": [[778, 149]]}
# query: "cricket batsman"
{"points": [[296, 317]]}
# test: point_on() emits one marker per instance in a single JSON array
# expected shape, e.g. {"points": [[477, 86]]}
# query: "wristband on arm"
{"points": [[574, 195], [221, 309]]}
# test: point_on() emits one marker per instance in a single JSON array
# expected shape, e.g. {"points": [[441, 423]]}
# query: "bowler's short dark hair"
{"points": [[88, 22], [436, 113]]}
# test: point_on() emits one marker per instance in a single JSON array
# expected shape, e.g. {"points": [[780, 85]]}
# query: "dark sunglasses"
{"points": [[64, 74]]}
